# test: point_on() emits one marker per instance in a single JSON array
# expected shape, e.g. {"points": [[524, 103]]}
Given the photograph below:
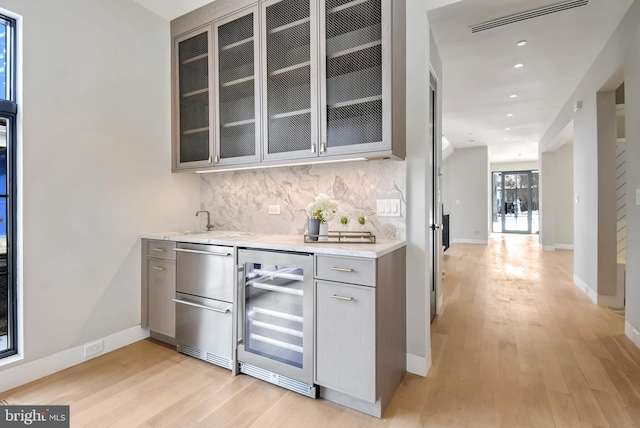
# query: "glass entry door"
{"points": [[515, 202]]}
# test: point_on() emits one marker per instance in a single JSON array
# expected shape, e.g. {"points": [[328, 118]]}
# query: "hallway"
{"points": [[518, 344]]}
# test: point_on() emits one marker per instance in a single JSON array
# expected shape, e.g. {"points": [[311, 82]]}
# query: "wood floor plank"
{"points": [[516, 344]]}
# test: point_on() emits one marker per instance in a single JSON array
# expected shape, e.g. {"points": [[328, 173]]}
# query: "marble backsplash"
{"points": [[239, 200]]}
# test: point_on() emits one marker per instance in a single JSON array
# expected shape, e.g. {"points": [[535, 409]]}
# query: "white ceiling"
{"points": [[478, 73], [171, 9], [479, 77]]}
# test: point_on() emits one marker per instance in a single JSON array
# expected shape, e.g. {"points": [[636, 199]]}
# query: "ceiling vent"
{"points": [[559, 7]]}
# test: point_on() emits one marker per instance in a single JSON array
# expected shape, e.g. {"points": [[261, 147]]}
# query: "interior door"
{"points": [[434, 214]]}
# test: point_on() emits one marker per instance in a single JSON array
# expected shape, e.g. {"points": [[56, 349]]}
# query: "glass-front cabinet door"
{"points": [[192, 96], [237, 81], [289, 52], [353, 70]]}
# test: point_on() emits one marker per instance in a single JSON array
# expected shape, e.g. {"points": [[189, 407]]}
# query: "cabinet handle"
{"points": [[313, 148], [157, 268], [195, 305], [323, 147], [205, 253], [342, 298], [217, 159], [339, 269], [210, 159], [159, 250]]}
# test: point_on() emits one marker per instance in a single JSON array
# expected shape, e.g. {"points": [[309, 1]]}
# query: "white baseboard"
{"points": [[564, 247], [470, 241], [632, 333], [548, 248], [611, 301], [616, 301], [419, 365], [585, 288], [27, 372]]}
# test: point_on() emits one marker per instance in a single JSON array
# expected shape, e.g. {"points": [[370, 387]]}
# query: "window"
{"points": [[8, 110]]}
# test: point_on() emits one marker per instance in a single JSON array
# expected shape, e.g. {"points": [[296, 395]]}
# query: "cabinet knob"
{"points": [[313, 148], [323, 147], [216, 159]]}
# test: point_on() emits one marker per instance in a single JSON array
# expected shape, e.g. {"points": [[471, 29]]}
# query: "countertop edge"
{"points": [[261, 241]]}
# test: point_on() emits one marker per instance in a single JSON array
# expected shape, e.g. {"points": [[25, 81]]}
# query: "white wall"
{"points": [[607, 196], [556, 198], [632, 129], [95, 167], [466, 178], [618, 62], [515, 166], [418, 166], [563, 200]]}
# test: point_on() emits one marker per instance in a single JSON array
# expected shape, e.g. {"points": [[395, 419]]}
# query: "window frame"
{"points": [[9, 111]]}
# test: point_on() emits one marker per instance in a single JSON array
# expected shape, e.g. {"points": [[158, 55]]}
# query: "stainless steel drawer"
{"points": [[349, 270], [161, 249]]}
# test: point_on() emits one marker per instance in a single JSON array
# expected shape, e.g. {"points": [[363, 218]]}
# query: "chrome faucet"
{"points": [[209, 226]]}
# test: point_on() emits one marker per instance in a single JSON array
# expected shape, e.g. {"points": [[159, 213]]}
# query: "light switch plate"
{"points": [[388, 208]]}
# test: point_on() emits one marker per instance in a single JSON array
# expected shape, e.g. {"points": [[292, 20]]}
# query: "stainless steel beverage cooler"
{"points": [[275, 328]]}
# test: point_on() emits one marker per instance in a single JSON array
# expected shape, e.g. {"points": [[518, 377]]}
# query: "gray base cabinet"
{"points": [[360, 329], [345, 339], [159, 288]]}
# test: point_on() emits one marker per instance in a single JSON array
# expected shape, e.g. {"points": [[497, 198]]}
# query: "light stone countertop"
{"points": [[269, 241]]}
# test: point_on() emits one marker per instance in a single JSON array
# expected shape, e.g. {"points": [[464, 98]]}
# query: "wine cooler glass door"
{"points": [[278, 305]]}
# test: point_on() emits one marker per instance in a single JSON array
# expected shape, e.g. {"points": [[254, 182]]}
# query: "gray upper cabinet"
{"points": [[236, 73], [289, 52], [356, 75], [192, 116], [293, 80]]}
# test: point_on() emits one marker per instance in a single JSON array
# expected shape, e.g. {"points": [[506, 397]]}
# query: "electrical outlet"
{"points": [[274, 209], [93, 348]]}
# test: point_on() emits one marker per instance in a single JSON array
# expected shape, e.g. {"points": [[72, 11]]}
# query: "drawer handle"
{"points": [[342, 298], [159, 250], [206, 253], [195, 305], [157, 268], [339, 269]]}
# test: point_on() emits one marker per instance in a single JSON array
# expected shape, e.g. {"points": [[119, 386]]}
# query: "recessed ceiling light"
{"points": [[505, 139], [507, 129], [510, 115], [521, 43], [519, 65], [513, 96]]}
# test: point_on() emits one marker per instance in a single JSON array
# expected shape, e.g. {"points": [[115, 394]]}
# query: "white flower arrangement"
{"points": [[322, 207]]}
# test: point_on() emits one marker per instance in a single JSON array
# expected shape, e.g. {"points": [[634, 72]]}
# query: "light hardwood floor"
{"points": [[517, 344]]}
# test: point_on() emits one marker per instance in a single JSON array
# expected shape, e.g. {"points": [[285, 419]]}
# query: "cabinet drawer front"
{"points": [[161, 249], [346, 269], [345, 339]]}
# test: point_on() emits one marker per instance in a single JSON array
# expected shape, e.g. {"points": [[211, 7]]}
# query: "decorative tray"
{"points": [[341, 237]]}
